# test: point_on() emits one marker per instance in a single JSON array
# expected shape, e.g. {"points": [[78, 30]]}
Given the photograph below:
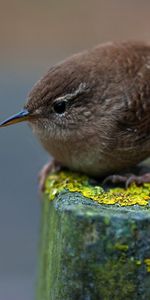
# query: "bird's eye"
{"points": [[59, 107]]}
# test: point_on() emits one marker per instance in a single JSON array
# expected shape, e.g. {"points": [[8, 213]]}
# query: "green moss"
{"points": [[118, 276], [74, 182]]}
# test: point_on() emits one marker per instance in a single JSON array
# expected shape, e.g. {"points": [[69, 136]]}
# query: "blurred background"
{"points": [[34, 35]]}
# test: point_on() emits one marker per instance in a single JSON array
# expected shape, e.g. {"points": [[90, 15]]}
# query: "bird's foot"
{"points": [[128, 179], [51, 166], [138, 180]]}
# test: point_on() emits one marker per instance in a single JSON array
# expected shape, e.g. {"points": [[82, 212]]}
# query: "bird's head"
{"points": [[60, 103]]}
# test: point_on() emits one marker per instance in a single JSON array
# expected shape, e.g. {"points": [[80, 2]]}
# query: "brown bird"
{"points": [[91, 112]]}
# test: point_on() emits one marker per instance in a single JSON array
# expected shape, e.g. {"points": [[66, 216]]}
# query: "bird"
{"points": [[91, 112]]}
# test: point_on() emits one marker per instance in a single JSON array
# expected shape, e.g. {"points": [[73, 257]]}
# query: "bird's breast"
{"points": [[78, 156], [92, 159]]}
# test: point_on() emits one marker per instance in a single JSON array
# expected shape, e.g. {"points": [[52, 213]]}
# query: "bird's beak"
{"points": [[23, 115]]}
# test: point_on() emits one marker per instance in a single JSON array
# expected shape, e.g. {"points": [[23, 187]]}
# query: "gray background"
{"points": [[33, 36]]}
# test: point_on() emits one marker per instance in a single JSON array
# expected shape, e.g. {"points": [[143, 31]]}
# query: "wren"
{"points": [[91, 112]]}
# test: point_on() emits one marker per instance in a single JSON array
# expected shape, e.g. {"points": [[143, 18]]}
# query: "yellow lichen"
{"points": [[147, 263], [121, 247], [74, 182], [138, 262]]}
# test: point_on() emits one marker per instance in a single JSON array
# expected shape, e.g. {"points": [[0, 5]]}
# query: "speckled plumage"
{"points": [[106, 125]]}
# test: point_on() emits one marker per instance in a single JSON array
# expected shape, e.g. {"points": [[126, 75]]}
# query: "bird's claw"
{"points": [[128, 179], [51, 166], [115, 179], [138, 180]]}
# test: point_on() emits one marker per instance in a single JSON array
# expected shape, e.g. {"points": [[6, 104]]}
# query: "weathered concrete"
{"points": [[92, 251]]}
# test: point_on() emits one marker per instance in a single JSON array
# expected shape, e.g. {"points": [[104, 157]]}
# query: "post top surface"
{"points": [[73, 191]]}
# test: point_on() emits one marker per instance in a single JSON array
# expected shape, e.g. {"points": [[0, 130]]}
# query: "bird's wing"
{"points": [[136, 94]]}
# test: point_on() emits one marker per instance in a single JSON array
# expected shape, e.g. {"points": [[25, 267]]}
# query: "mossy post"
{"points": [[95, 245]]}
